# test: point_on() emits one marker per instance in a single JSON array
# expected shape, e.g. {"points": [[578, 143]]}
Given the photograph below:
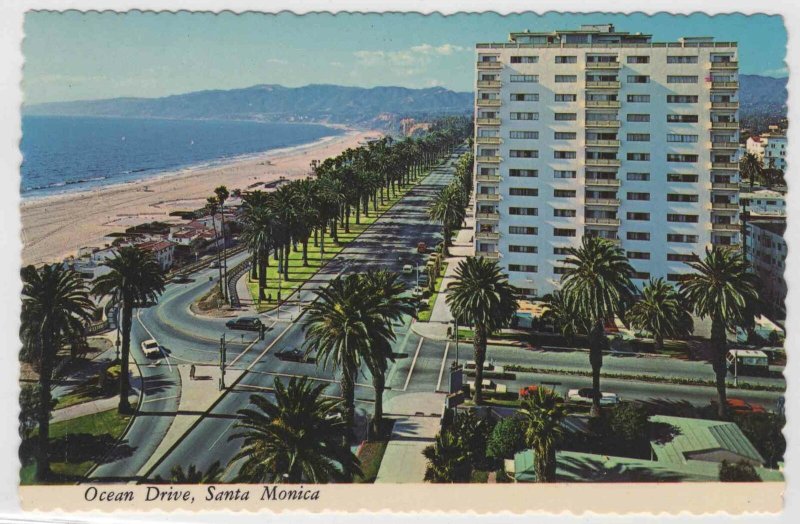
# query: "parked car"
{"points": [[245, 323], [151, 349], [741, 406], [422, 248], [214, 264], [292, 355], [584, 396], [417, 292], [423, 280], [181, 279], [408, 268]]}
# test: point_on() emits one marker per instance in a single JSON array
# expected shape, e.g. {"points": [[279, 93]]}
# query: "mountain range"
{"points": [[761, 98]]}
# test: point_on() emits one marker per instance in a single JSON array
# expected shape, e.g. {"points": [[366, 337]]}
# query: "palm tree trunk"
{"points": [[124, 380], [316, 237], [596, 338], [224, 252], [659, 345], [379, 383], [322, 244], [719, 349], [219, 257], [545, 464], [358, 212], [479, 345], [254, 265], [286, 262], [348, 395], [45, 400], [305, 252], [262, 274]]}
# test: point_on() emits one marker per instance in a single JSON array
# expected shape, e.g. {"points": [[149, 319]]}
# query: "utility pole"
{"points": [[222, 355]]}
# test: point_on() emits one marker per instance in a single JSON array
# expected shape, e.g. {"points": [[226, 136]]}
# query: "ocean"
{"points": [[62, 154]]}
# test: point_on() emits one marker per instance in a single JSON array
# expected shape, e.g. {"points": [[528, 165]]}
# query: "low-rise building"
{"points": [[162, 250], [766, 250], [764, 202], [770, 148]]}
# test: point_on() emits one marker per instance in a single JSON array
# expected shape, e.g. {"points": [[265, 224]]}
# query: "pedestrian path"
{"points": [[94, 406]]}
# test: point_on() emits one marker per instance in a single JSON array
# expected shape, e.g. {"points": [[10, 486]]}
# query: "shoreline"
{"points": [[55, 226]]}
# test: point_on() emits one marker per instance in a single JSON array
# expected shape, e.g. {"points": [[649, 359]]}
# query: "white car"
{"points": [[408, 268], [584, 396], [151, 349], [417, 292]]}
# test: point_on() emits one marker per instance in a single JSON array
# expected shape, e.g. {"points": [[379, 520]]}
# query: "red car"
{"points": [[741, 406], [530, 390]]}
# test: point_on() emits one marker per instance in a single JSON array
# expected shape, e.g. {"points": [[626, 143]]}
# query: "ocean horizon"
{"points": [[64, 154]]}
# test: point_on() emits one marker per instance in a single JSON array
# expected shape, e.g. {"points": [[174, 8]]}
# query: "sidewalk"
{"points": [[95, 406]]}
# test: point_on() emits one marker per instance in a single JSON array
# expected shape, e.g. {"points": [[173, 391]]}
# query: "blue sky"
{"points": [[76, 56]]}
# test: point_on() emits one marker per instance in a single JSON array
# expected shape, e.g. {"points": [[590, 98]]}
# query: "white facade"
{"points": [[764, 203], [766, 250], [770, 148], [604, 133]]}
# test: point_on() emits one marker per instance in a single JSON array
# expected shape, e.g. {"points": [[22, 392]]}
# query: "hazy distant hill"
{"points": [[762, 99], [320, 103]]}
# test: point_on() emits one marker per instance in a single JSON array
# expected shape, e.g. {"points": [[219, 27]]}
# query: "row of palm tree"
{"points": [[450, 203], [57, 305], [343, 187]]}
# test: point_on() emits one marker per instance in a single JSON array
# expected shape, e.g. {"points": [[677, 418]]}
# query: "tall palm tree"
{"points": [[448, 208], [543, 413], [661, 311], [448, 461], [295, 438], [481, 296], [723, 289], [752, 167], [212, 204], [257, 223], [135, 279], [222, 195], [55, 305], [561, 312], [597, 280], [192, 475]]}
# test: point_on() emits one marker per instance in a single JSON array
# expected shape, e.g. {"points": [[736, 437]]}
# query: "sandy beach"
{"points": [[57, 226]]}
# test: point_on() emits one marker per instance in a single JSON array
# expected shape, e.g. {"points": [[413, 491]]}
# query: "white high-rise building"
{"points": [[605, 133]]}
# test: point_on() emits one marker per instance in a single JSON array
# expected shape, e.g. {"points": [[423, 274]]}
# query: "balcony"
{"points": [[603, 182], [598, 84], [487, 235], [488, 179], [602, 143], [488, 159], [724, 125], [724, 206], [602, 104], [602, 123], [602, 202], [725, 85], [602, 65], [488, 140], [491, 255], [487, 216], [490, 65], [488, 121], [732, 227], [607, 162], [490, 84], [592, 221], [614, 241], [724, 146], [725, 105], [724, 186], [727, 65], [724, 165], [489, 102], [487, 197]]}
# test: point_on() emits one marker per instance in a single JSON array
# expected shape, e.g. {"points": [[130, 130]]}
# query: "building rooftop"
{"points": [[776, 227], [691, 436], [155, 245]]}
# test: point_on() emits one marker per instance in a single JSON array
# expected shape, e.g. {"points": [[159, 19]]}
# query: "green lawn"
{"points": [[299, 274], [425, 314], [370, 455], [91, 390], [75, 445]]}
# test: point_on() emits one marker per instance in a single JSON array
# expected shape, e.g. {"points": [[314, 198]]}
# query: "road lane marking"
{"points": [[160, 349], [253, 343], [318, 379], [413, 363], [441, 370]]}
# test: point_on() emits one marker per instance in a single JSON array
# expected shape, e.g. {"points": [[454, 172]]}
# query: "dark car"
{"points": [[245, 323], [182, 279], [292, 355]]}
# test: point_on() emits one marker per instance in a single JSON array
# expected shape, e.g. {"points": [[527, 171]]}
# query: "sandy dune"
{"points": [[55, 227]]}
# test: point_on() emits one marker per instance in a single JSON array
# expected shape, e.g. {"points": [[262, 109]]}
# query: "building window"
{"points": [[564, 193], [562, 232], [681, 239], [571, 59], [638, 117], [638, 235], [638, 79], [675, 217], [638, 215], [560, 173], [682, 99], [638, 255], [528, 135], [524, 211], [529, 173], [632, 195], [522, 249], [679, 197], [564, 213], [678, 59], [516, 115], [638, 177], [524, 59], [676, 277], [566, 97], [640, 59], [521, 268], [638, 157], [523, 230], [524, 78], [566, 79], [679, 257], [640, 275], [524, 191], [638, 98], [524, 97], [672, 137], [560, 117], [561, 250], [638, 137], [523, 153], [564, 135], [676, 157], [681, 177], [681, 79], [682, 119], [564, 154]]}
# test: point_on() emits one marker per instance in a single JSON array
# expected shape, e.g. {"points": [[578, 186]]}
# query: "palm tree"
{"points": [[447, 208], [660, 311], [212, 205], [723, 289], [222, 195], [296, 438], [561, 312], [55, 305], [192, 475], [752, 167], [543, 413], [257, 223], [135, 280], [481, 296], [597, 282], [447, 460]]}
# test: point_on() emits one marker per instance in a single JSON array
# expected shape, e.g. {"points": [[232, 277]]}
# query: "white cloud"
{"points": [[781, 71], [444, 49], [409, 61], [276, 61]]}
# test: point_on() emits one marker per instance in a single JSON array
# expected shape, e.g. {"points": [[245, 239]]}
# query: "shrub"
{"points": [[473, 433], [507, 438], [628, 421], [741, 471], [765, 431]]}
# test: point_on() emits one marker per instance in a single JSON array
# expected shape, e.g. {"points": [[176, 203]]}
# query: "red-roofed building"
{"points": [[163, 250]]}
